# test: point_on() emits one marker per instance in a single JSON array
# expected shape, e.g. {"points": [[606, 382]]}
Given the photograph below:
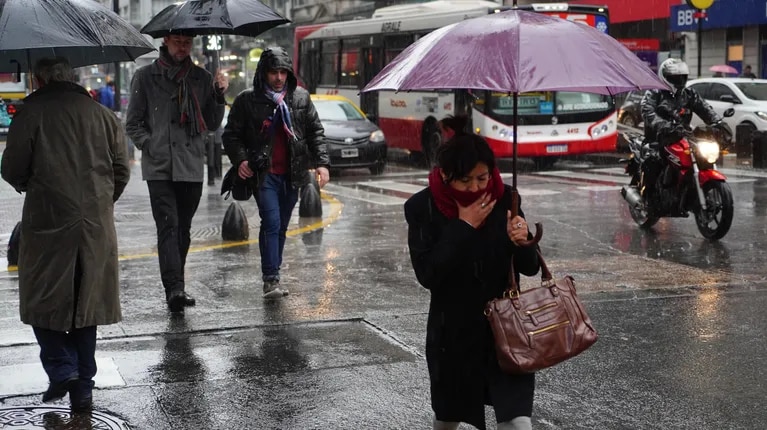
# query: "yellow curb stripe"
{"points": [[335, 211]]}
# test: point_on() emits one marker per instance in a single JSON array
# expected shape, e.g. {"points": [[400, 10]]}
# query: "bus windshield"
{"points": [[549, 103]]}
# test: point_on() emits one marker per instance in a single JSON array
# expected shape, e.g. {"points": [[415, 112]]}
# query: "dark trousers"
{"points": [[276, 199], [173, 207], [68, 355]]}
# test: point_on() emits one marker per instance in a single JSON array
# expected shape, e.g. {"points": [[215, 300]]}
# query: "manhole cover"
{"points": [[59, 418]]}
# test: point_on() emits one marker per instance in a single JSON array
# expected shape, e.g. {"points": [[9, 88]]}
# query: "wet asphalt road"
{"points": [[682, 336]]}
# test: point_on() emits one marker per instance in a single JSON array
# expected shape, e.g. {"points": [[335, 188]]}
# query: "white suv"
{"points": [[748, 97]]}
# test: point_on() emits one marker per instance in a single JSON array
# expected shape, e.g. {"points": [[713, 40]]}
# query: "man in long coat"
{"points": [[172, 103], [68, 153]]}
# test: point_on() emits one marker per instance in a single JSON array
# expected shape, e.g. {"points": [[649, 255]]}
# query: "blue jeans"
{"points": [[276, 200], [68, 355]]}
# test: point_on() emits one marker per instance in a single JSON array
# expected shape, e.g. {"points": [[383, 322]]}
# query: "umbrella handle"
{"points": [[515, 211]]}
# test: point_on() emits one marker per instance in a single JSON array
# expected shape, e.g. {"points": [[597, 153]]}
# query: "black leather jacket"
{"points": [[656, 104], [245, 137]]}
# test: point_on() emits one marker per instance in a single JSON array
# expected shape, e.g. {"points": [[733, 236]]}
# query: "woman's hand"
{"points": [[475, 213], [516, 228]]}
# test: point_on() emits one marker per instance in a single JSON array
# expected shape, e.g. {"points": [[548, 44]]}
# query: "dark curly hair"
{"points": [[459, 155]]}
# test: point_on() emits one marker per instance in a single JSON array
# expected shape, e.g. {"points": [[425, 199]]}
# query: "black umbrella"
{"points": [[198, 17], [83, 31]]}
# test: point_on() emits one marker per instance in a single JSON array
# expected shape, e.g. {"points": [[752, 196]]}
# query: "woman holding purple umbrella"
{"points": [[461, 237]]}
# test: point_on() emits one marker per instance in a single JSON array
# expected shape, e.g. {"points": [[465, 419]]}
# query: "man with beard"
{"points": [[274, 136], [173, 102]]}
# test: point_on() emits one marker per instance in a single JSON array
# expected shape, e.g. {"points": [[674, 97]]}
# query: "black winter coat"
{"points": [[464, 268], [657, 121], [245, 137]]}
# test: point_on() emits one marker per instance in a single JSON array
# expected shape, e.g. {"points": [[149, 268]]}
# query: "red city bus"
{"points": [[342, 57]]}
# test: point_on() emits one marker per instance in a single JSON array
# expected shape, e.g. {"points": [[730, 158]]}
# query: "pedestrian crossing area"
{"points": [[394, 189]]}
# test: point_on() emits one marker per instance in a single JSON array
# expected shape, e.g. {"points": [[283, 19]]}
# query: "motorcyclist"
{"points": [[666, 113]]}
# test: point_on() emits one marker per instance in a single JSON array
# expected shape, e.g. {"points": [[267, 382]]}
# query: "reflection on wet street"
{"points": [[679, 317]]}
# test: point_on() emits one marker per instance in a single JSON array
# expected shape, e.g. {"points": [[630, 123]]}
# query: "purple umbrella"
{"points": [[517, 51]]}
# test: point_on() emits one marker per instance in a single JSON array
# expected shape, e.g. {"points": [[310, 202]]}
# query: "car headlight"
{"points": [[708, 150], [761, 115], [377, 136]]}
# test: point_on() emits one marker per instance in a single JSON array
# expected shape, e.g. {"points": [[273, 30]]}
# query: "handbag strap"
{"points": [[546, 278]]}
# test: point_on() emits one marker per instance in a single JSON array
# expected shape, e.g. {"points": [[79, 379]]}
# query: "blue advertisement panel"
{"points": [[722, 14]]}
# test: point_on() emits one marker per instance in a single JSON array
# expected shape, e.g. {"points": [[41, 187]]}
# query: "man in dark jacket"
{"points": [[666, 113], [73, 165], [173, 102], [274, 136]]}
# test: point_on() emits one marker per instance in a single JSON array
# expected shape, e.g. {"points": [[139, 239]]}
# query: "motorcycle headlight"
{"points": [[377, 136], [708, 150]]}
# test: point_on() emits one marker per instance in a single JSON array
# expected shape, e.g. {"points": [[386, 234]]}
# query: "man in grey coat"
{"points": [[72, 162], [172, 103]]}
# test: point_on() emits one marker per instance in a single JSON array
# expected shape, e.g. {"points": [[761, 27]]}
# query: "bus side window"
{"points": [[329, 66], [350, 64], [394, 44]]}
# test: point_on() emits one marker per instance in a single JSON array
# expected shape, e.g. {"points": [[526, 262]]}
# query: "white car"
{"points": [[748, 97]]}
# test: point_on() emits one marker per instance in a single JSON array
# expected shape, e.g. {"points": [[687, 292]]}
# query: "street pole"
{"points": [[117, 107], [700, 40]]}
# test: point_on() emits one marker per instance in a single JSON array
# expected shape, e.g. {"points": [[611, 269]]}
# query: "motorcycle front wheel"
{"points": [[715, 221]]}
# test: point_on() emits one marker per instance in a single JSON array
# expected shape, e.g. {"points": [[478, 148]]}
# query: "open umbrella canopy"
{"points": [[517, 51], [83, 31], [198, 17], [724, 68]]}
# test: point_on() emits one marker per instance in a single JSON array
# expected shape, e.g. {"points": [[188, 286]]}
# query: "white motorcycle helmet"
{"points": [[674, 73]]}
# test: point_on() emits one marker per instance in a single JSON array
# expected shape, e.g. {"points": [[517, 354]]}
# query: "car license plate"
{"points": [[556, 149], [3, 129], [350, 153]]}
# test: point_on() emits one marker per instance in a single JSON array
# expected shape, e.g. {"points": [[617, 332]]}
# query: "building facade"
{"points": [[734, 32]]}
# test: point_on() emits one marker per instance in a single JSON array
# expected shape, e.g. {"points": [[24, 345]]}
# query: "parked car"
{"points": [[630, 113], [748, 97], [353, 140]]}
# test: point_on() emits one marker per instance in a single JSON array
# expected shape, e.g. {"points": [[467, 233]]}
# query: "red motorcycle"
{"points": [[687, 181]]}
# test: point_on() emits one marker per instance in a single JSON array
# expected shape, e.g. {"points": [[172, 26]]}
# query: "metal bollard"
{"points": [[210, 154], [759, 150], [310, 203], [235, 225], [743, 143]]}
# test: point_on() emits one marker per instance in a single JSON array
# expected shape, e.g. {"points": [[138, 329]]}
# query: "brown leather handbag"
{"points": [[539, 327]]}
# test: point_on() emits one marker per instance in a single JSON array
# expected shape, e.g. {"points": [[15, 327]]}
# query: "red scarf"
{"points": [[446, 196]]}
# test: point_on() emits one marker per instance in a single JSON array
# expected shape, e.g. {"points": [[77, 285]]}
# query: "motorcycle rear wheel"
{"points": [[716, 220]]}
